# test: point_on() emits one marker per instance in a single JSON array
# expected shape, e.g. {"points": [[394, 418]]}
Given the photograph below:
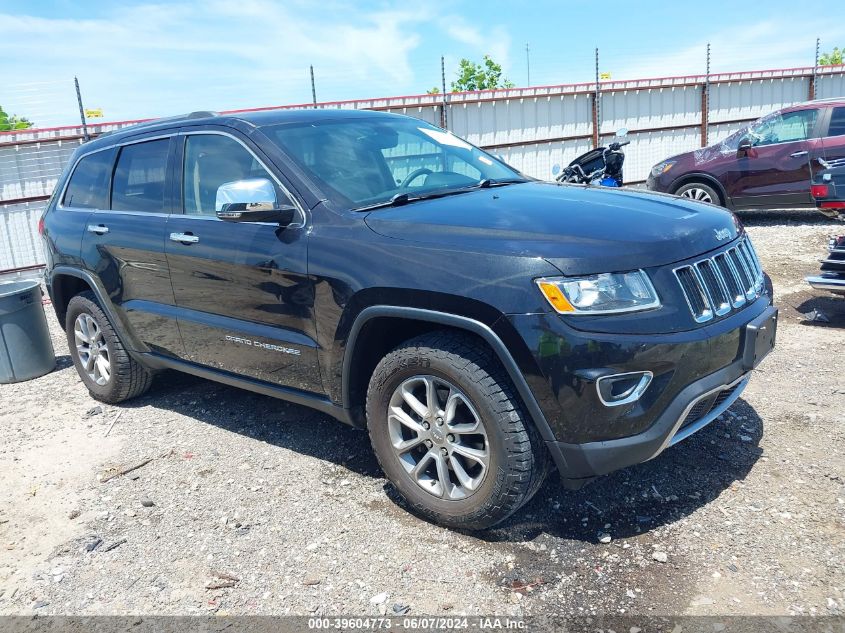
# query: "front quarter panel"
{"points": [[354, 268]]}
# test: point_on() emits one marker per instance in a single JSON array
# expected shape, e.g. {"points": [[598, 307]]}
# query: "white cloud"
{"points": [[494, 42], [767, 44], [152, 59]]}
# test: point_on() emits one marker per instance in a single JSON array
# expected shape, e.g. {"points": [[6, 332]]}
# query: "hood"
{"points": [[698, 158], [581, 230]]}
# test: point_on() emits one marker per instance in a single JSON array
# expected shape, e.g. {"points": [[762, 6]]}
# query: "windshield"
{"points": [[365, 162]]}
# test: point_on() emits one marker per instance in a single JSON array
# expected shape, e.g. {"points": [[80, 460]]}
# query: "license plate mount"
{"points": [[760, 338]]}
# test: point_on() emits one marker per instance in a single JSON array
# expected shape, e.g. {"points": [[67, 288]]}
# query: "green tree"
{"points": [[833, 58], [484, 76], [433, 91], [13, 122]]}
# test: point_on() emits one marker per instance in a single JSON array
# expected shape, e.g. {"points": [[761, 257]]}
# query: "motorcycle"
{"points": [[601, 166]]}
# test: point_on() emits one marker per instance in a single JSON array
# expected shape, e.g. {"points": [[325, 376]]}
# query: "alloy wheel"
{"points": [[697, 194], [438, 437], [92, 349]]}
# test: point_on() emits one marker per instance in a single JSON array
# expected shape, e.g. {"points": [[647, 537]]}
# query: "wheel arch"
{"points": [[706, 179], [419, 320], [65, 282]]}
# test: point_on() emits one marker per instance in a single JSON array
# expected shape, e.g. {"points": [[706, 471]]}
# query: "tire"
{"points": [[700, 192], [126, 378], [459, 370]]}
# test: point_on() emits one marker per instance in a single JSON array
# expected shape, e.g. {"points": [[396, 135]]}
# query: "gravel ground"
{"points": [[241, 504]]}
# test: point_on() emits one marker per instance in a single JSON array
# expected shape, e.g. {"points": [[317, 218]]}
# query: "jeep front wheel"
{"points": [[450, 433]]}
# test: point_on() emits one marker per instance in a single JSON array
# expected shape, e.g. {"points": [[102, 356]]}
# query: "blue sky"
{"points": [[143, 59]]}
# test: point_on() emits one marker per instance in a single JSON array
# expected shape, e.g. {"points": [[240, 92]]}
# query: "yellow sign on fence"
{"points": [[96, 113]]}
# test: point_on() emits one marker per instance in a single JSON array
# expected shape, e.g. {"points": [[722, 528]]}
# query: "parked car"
{"points": [[832, 273], [765, 164], [828, 189], [479, 325]]}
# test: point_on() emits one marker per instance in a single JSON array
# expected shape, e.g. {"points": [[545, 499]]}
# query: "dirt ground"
{"points": [[249, 505]]}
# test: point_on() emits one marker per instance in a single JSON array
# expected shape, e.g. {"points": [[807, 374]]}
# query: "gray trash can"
{"points": [[26, 350]]}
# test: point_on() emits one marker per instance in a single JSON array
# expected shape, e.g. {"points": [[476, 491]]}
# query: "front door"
{"points": [[123, 244], [245, 301], [775, 171]]}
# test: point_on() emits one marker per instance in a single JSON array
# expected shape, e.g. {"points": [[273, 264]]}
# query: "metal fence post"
{"points": [[313, 88], [596, 105], [444, 118], [811, 93], [705, 101], [81, 111]]}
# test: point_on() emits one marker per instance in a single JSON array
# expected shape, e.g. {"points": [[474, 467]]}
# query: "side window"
{"points": [[212, 160], [139, 178], [837, 122], [783, 128], [88, 186]]}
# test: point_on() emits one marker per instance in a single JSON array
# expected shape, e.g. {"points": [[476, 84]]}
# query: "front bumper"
{"points": [[692, 409], [697, 375]]}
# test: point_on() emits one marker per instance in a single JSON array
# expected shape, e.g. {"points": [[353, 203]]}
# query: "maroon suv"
{"points": [[765, 164]]}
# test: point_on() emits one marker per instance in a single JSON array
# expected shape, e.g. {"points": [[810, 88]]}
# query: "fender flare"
{"points": [[103, 299], [461, 323], [707, 179]]}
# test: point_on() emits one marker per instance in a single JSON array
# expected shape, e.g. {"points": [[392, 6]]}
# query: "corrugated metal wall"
{"points": [[537, 130]]}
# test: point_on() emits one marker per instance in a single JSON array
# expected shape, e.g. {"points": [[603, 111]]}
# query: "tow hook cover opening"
{"points": [[619, 389]]}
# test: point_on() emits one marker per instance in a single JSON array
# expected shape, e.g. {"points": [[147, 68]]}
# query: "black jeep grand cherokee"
{"points": [[480, 325]]}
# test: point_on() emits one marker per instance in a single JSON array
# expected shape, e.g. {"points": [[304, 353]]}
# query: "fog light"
{"points": [[618, 389]]}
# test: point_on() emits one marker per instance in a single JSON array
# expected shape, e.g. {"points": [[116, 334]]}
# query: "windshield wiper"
{"points": [[396, 201], [403, 198], [488, 182]]}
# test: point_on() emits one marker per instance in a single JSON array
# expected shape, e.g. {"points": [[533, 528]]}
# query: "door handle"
{"points": [[99, 229], [184, 238], [803, 152]]}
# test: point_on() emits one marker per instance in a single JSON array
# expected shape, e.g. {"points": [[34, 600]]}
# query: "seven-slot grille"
{"points": [[724, 282]]}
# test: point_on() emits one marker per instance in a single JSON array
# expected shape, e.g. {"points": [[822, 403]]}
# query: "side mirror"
{"points": [[251, 200], [745, 144], [622, 132]]}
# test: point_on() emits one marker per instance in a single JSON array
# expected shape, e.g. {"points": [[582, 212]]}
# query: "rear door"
{"points": [[244, 297], [124, 243], [834, 135], [775, 172], [87, 190]]}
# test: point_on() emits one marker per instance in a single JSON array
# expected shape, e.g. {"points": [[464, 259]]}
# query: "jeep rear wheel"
{"points": [[450, 433], [101, 360]]}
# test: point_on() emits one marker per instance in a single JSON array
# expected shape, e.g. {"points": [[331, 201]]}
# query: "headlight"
{"points": [[661, 168], [600, 294]]}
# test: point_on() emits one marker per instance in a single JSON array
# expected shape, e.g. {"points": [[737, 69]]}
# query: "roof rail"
{"points": [[199, 114], [826, 100]]}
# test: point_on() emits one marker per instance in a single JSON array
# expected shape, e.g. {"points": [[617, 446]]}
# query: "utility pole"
{"points": [[313, 88], [81, 111], [528, 64], [444, 118], [812, 91]]}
